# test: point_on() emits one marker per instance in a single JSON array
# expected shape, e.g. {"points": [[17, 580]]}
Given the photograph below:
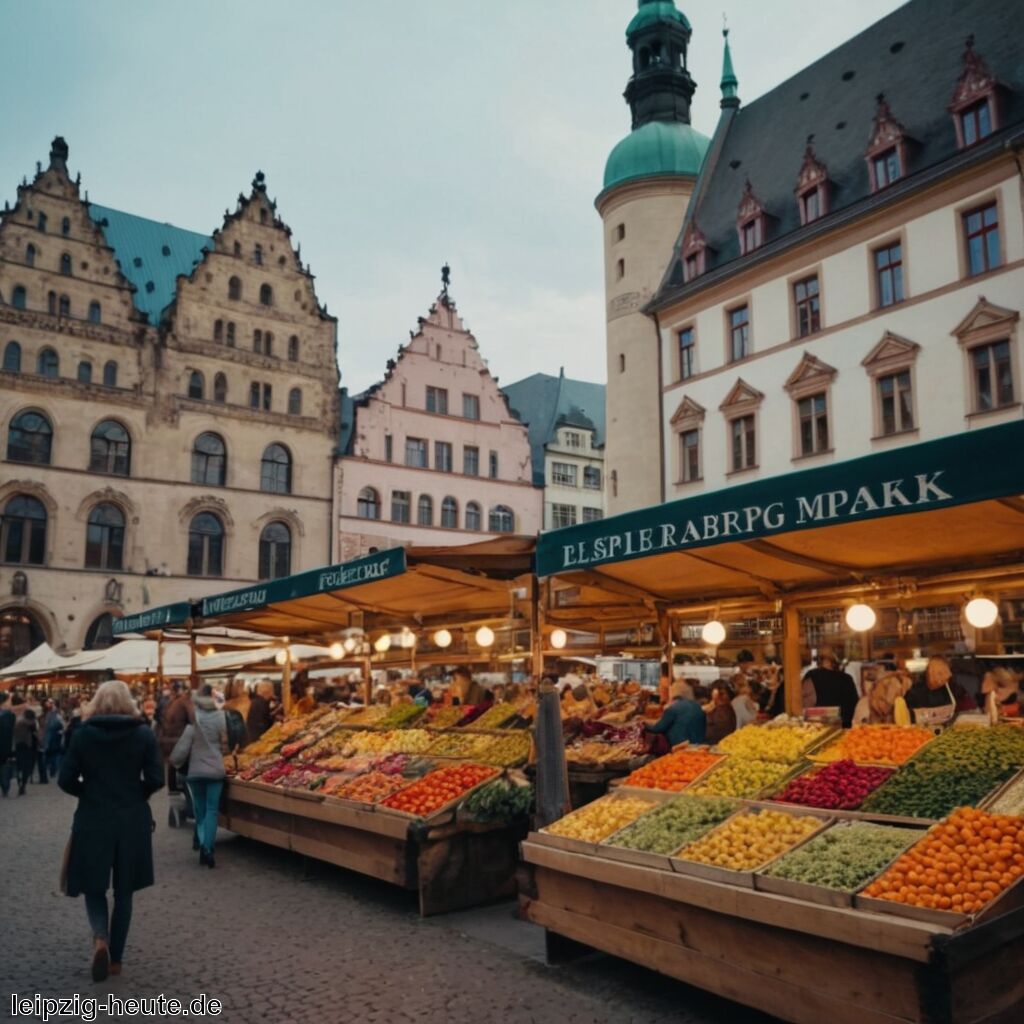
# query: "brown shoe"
{"points": [[115, 968], [100, 961]]}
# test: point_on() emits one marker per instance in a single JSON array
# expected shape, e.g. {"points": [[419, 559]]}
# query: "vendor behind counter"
{"points": [[936, 698]]}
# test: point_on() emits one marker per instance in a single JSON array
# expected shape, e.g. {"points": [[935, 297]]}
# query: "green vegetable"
{"points": [[501, 800], [674, 825]]}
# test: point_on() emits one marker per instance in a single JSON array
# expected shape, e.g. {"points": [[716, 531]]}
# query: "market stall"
{"points": [[728, 878], [431, 808]]}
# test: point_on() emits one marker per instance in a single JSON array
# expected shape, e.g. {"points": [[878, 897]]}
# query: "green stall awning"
{"points": [[155, 618]]}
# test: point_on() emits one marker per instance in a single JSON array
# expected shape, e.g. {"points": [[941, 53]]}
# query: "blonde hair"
{"points": [[112, 698]]}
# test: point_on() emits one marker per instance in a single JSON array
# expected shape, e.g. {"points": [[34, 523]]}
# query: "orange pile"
{"points": [[960, 865], [878, 744], [673, 772]]}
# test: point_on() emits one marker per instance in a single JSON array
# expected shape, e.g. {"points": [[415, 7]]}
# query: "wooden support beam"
{"points": [[791, 660], [766, 547]]}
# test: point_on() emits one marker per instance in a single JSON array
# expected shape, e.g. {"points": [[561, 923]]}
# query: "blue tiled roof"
{"points": [[151, 255], [544, 403], [346, 421]]}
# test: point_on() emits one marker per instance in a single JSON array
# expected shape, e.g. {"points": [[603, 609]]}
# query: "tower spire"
{"points": [[730, 84], [661, 87]]}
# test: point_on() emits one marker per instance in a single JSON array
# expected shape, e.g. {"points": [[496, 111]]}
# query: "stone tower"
{"points": [[648, 180]]}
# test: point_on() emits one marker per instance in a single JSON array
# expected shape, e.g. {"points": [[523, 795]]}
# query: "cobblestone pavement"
{"points": [[279, 938]]}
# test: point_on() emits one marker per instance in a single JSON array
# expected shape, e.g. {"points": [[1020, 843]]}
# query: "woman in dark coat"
{"points": [[26, 746], [113, 766]]}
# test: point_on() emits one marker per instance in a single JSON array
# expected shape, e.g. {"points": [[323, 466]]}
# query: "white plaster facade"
{"points": [[573, 478]]}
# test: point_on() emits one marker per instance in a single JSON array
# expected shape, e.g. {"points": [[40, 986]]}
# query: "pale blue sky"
{"points": [[394, 136]]}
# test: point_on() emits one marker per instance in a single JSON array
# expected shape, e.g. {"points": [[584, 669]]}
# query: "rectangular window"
{"points": [[389, 447], [812, 205], [442, 456], [416, 452], [741, 432], [689, 444], [437, 400], [981, 232], [254, 395], [813, 412], [993, 376], [889, 274], [887, 168], [808, 306], [563, 515], [739, 333], [750, 236], [399, 506], [471, 407], [896, 402], [493, 466], [471, 460], [591, 515], [592, 478], [691, 267], [573, 439], [563, 474], [976, 123], [687, 349], [267, 391]]}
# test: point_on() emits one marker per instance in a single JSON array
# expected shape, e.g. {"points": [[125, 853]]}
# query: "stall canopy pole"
{"points": [[367, 681], [160, 661], [791, 660], [665, 633], [286, 682], [536, 634], [193, 679], [552, 772]]}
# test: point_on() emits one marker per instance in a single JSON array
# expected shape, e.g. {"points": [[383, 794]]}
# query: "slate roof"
{"points": [[151, 255], [346, 421], [545, 403], [914, 56]]}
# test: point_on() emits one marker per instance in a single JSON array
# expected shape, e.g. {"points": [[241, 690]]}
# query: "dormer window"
{"points": [[812, 187], [887, 168], [887, 151], [974, 107], [694, 253], [750, 221]]}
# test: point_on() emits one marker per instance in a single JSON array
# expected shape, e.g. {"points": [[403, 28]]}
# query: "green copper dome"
{"points": [[658, 147], [654, 12]]}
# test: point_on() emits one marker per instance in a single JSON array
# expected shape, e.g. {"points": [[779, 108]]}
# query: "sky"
{"points": [[395, 136]]}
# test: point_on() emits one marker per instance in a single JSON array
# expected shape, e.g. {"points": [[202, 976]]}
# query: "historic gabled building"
{"points": [[565, 419], [849, 274], [168, 408], [432, 454]]}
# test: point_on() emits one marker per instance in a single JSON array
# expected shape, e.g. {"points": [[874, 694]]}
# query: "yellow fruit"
{"points": [[782, 741], [738, 777], [596, 821], [747, 841]]}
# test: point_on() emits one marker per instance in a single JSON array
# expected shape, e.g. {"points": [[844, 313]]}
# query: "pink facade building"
{"points": [[432, 454]]}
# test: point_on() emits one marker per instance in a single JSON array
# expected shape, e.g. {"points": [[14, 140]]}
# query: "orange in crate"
{"points": [[877, 744], [673, 772]]}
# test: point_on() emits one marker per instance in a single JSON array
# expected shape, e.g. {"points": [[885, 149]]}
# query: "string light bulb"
{"points": [[485, 636], [408, 638], [861, 617], [713, 633], [981, 612], [382, 643], [559, 638], [442, 638], [336, 650]]}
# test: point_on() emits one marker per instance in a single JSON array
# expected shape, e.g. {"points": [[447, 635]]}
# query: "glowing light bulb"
{"points": [[981, 612], [485, 636], [382, 643], [559, 638], [442, 638], [336, 650], [408, 638], [350, 644], [281, 657], [861, 617], [713, 633]]}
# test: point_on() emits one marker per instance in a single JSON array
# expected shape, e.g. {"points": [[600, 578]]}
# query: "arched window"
{"points": [[209, 460], [238, 249], [473, 516], [12, 357], [195, 384], [65, 226], [368, 504], [110, 374], [64, 306], [276, 470], [22, 633], [205, 545], [30, 255], [295, 402], [293, 349], [257, 255], [104, 538], [23, 531], [275, 551], [450, 513], [218, 330], [231, 334], [268, 343], [266, 295], [41, 222], [29, 438], [257, 341], [48, 363], [501, 519], [95, 313], [18, 297], [235, 288], [220, 388], [51, 303], [85, 372], [65, 264], [100, 634], [425, 510], [110, 449]]}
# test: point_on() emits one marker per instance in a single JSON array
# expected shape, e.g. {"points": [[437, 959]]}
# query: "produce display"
{"points": [[960, 865], [400, 716], [495, 716], [438, 788], [674, 824], [395, 741], [958, 769], [596, 821], [369, 715], [778, 741], [458, 745], [370, 788], [673, 772], [876, 744], [739, 777], [506, 751], [602, 752], [1011, 800], [440, 717], [846, 856], [841, 785], [501, 800], [748, 841]]}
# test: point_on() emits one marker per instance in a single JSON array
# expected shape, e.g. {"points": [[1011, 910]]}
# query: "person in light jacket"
{"points": [[203, 745]]}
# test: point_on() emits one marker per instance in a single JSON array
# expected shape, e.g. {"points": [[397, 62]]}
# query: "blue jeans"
{"points": [[114, 930], [206, 800]]}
